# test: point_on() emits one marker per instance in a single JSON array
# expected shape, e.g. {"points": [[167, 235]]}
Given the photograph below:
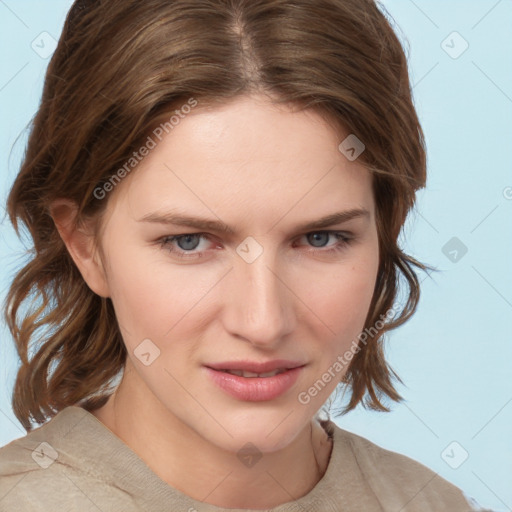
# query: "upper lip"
{"points": [[256, 367]]}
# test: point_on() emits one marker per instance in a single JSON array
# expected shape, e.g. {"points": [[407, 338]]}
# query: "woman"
{"points": [[215, 190]]}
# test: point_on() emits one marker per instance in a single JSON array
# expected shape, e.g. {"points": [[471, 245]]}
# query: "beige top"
{"points": [[75, 463]]}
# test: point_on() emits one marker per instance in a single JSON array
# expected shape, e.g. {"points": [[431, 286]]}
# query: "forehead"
{"points": [[248, 154]]}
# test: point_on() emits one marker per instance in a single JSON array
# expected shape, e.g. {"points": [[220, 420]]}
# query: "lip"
{"points": [[255, 389], [255, 366]]}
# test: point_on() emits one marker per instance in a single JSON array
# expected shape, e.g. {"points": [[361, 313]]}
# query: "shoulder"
{"points": [[40, 449], [401, 482], [32, 452], [48, 468]]}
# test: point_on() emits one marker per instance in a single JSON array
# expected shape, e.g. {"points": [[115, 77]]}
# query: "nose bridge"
{"points": [[262, 306]]}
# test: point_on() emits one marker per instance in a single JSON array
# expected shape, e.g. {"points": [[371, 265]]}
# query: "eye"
{"points": [[187, 243], [319, 240]]}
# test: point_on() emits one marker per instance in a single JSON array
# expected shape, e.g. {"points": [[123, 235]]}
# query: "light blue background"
{"points": [[455, 354]]}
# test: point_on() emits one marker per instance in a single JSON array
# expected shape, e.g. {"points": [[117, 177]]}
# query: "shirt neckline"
{"points": [[111, 457]]}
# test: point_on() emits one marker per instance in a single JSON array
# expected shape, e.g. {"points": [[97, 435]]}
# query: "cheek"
{"points": [[150, 297], [341, 299]]}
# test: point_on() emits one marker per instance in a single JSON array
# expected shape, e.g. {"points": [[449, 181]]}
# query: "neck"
{"points": [[183, 459]]}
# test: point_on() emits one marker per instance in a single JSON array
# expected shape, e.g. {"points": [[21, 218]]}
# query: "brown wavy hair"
{"points": [[123, 65]]}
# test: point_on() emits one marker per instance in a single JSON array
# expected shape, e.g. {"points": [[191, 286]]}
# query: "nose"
{"points": [[259, 302]]}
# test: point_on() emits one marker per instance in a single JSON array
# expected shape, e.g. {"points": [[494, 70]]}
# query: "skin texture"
{"points": [[263, 170]]}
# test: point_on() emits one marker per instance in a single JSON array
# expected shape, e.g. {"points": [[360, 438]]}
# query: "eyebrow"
{"points": [[219, 226]]}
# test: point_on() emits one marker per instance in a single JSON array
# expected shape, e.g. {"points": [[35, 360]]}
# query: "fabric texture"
{"points": [[75, 463]]}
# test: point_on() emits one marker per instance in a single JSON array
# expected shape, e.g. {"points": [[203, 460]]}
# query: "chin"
{"points": [[268, 432]]}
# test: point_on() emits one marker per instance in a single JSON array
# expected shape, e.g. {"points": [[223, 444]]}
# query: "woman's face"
{"points": [[253, 283]]}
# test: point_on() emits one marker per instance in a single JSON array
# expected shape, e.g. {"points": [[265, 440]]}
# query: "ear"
{"points": [[79, 241]]}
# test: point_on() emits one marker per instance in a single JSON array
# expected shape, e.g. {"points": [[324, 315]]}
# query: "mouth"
{"points": [[255, 381]]}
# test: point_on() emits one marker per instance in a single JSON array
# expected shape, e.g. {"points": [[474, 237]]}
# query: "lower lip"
{"points": [[255, 389]]}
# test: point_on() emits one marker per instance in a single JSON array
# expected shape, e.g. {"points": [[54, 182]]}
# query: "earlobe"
{"points": [[80, 243]]}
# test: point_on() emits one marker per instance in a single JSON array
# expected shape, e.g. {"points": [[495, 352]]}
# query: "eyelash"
{"points": [[343, 242]]}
